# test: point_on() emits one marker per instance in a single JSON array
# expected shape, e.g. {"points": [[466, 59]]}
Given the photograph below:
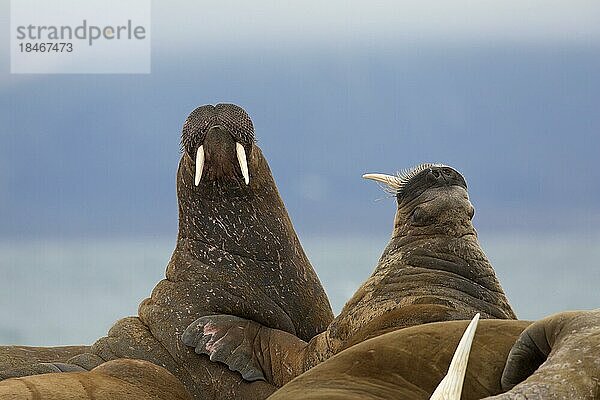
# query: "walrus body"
{"points": [[18, 361], [408, 364], [554, 358], [236, 253], [557, 357], [433, 269], [117, 379]]}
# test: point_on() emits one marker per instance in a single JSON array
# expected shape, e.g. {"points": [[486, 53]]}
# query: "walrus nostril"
{"points": [[437, 176]]}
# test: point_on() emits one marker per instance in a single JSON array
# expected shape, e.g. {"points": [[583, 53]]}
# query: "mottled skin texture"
{"points": [[555, 358], [237, 253], [433, 269], [115, 380]]}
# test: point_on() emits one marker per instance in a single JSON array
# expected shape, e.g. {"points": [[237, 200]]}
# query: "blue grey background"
{"points": [[507, 93]]}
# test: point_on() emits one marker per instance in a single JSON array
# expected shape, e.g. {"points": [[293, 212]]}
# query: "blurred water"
{"points": [[54, 292]]}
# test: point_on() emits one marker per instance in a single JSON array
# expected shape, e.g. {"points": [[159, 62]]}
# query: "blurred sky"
{"points": [[507, 92]]}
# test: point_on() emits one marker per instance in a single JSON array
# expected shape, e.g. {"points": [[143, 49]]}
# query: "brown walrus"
{"points": [[118, 379], [433, 269], [557, 357], [18, 361], [409, 364], [237, 253]]}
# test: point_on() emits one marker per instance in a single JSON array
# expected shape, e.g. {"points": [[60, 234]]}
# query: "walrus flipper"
{"points": [[227, 339]]}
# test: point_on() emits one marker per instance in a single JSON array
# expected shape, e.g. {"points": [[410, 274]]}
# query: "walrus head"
{"points": [[434, 244], [218, 141], [227, 196], [432, 199]]}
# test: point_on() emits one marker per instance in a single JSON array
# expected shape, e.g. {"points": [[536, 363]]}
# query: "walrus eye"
{"points": [[420, 217]]}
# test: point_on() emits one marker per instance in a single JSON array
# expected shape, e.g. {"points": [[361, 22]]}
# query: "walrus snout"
{"points": [[409, 183], [444, 176], [220, 156], [227, 123]]}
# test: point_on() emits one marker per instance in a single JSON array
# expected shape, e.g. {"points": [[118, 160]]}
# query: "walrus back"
{"points": [[118, 379]]}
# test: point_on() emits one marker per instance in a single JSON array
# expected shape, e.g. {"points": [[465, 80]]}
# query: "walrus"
{"points": [[18, 361], [554, 358], [557, 357], [122, 379], [409, 364], [236, 253], [433, 269]]}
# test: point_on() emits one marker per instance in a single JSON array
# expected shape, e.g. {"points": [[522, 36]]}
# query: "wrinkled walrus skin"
{"points": [[118, 379], [237, 253], [432, 270], [557, 357]]}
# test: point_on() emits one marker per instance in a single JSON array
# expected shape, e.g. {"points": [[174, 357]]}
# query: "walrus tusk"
{"points": [[450, 388], [391, 181], [241, 156], [199, 164]]}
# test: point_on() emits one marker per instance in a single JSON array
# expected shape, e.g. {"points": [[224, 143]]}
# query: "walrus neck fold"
{"points": [[460, 257], [421, 280]]}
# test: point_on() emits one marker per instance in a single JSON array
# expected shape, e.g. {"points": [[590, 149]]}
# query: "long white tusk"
{"points": [[241, 156], [391, 181], [199, 164], [450, 388]]}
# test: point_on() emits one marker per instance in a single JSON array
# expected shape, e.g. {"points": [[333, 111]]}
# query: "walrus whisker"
{"points": [[241, 156], [450, 388], [387, 196], [405, 175], [199, 164], [388, 183], [395, 183]]}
